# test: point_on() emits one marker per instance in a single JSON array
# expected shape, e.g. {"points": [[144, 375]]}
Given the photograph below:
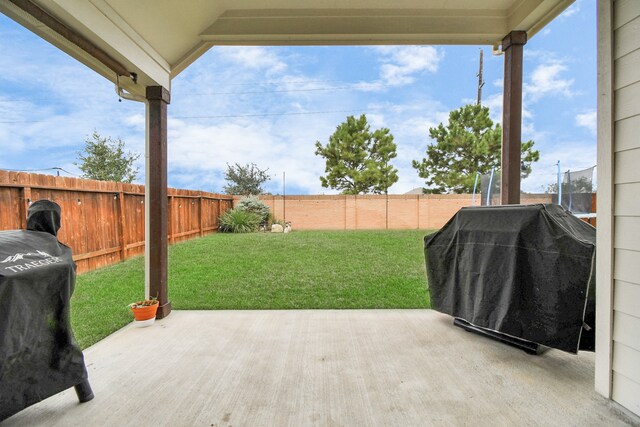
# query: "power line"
{"points": [[23, 121], [39, 170], [480, 80], [318, 89], [66, 171], [251, 92], [300, 113], [9, 101], [277, 82], [226, 116]]}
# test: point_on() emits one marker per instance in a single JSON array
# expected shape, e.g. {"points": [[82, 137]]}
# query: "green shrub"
{"points": [[239, 221], [255, 205]]}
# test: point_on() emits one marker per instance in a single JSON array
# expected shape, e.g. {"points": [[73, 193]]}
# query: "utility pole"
{"points": [[480, 81]]}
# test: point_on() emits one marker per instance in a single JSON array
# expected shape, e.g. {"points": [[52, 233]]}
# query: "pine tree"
{"points": [[470, 143], [357, 160]]}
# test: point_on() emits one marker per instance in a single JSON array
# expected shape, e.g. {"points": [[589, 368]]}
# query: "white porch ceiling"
{"points": [[157, 39]]}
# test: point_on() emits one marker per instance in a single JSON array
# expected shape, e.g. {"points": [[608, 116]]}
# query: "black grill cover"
{"points": [[527, 271], [38, 353]]}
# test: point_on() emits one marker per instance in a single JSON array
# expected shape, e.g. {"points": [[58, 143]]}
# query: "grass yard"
{"points": [[300, 270]]}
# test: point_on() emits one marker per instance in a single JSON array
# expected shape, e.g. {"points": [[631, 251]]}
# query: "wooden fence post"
{"points": [[218, 212], [200, 214], [172, 213], [121, 223], [26, 201]]}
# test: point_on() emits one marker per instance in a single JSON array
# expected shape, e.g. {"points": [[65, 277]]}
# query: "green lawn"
{"points": [[299, 270]]}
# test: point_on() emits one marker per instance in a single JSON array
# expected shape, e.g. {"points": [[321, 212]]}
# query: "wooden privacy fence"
{"points": [[103, 222]]}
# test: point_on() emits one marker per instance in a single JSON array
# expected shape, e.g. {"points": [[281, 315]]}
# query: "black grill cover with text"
{"points": [[38, 353], [527, 271]]}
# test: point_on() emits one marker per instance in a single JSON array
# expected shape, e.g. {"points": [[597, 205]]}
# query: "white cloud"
{"points": [[370, 86], [51, 103], [546, 79], [494, 102], [377, 120], [253, 57], [588, 120], [401, 63], [571, 10], [136, 120], [287, 144]]}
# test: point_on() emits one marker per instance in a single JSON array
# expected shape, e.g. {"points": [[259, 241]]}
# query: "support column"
{"points": [[156, 201], [605, 232], [512, 46]]}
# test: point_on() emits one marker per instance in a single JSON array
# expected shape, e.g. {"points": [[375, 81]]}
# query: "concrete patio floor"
{"points": [[326, 368]]}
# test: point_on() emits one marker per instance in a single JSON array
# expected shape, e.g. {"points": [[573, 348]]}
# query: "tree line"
{"points": [[357, 159]]}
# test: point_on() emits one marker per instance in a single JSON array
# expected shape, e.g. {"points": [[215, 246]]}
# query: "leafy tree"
{"points": [[255, 205], [469, 144], [357, 160], [105, 160], [245, 179]]}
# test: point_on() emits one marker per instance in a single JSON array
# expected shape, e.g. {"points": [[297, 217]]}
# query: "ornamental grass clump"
{"points": [[237, 220]]}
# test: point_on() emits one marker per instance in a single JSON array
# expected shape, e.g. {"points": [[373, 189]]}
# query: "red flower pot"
{"points": [[145, 312]]}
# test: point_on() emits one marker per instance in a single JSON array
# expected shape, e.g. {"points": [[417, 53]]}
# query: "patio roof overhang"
{"points": [[157, 40], [141, 45]]}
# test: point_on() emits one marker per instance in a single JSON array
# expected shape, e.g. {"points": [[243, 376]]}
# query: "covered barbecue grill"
{"points": [[38, 353], [522, 272]]}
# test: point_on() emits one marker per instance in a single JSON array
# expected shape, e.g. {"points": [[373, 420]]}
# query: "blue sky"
{"points": [[268, 105]]}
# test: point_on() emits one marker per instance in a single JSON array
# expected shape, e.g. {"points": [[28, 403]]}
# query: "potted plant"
{"points": [[145, 311]]}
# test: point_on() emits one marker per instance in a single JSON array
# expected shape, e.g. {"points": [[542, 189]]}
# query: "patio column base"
{"points": [[163, 310]]}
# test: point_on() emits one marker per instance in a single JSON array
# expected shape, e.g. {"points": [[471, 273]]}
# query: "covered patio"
{"points": [[324, 367], [335, 367], [142, 46]]}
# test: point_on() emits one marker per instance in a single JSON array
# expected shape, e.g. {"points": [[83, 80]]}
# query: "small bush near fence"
{"points": [[239, 221]]}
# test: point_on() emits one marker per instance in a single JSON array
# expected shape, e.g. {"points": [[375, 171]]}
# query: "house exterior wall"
{"points": [[622, 153]]}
